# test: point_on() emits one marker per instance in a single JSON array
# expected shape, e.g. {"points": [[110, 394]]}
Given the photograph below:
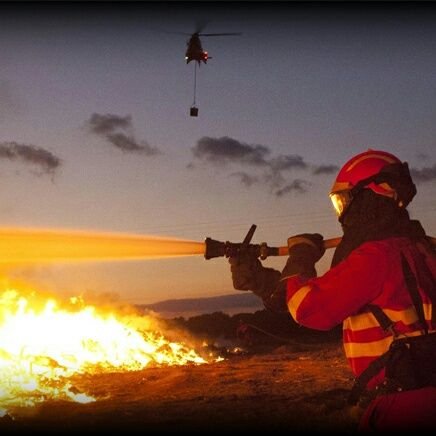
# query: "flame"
{"points": [[43, 344]]}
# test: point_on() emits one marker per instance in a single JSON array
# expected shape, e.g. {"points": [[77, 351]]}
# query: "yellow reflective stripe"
{"points": [[367, 349], [360, 322], [428, 310], [370, 156], [374, 348], [296, 300], [409, 315], [367, 320]]}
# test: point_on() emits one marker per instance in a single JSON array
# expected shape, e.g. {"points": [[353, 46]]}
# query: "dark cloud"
{"points": [[287, 162], [128, 143], [246, 179], [274, 179], [30, 154], [325, 169], [118, 132], [105, 124], [299, 186], [425, 174], [227, 150], [271, 171]]}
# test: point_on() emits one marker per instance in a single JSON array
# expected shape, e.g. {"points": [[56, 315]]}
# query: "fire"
{"points": [[44, 343]]}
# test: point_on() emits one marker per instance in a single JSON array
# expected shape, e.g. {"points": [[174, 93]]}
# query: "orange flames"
{"points": [[44, 343]]}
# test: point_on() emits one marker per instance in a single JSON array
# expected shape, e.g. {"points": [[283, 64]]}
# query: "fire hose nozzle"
{"points": [[214, 248]]}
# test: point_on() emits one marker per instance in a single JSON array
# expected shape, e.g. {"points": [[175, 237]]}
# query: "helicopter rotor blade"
{"points": [[171, 32], [220, 34], [180, 33], [200, 25]]}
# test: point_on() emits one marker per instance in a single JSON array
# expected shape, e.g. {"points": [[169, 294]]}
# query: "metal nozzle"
{"points": [[230, 249], [214, 248]]}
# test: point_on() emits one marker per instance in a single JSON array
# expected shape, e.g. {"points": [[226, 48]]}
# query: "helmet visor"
{"points": [[341, 200]]}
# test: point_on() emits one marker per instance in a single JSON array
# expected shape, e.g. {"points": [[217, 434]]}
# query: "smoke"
{"points": [[270, 170], [426, 174], [46, 161], [118, 131]]}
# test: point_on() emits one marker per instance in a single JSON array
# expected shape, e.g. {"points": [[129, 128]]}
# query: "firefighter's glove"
{"points": [[248, 274], [304, 251]]}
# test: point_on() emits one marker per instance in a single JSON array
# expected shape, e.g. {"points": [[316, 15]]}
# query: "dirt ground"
{"points": [[300, 389]]}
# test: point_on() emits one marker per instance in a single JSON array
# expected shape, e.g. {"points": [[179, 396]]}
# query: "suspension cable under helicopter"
{"points": [[195, 82], [194, 110]]}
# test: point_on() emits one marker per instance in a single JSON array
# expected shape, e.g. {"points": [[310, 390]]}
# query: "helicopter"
{"points": [[195, 51]]}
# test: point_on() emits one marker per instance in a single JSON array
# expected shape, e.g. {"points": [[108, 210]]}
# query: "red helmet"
{"points": [[359, 172]]}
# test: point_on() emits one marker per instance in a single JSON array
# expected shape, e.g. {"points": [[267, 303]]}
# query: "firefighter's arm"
{"points": [[323, 302], [248, 274], [304, 251]]}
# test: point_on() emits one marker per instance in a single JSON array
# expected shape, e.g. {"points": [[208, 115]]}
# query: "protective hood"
{"points": [[373, 217]]}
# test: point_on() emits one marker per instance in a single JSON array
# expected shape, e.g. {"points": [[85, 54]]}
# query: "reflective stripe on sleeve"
{"points": [[295, 301]]}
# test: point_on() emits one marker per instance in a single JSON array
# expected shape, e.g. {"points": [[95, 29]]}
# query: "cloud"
{"points": [[227, 150], [245, 178], [128, 143], [118, 132], [105, 124], [30, 154], [425, 174], [287, 162], [257, 163], [299, 186], [325, 169]]}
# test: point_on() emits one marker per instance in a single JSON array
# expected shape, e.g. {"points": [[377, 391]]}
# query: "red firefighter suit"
{"points": [[372, 275]]}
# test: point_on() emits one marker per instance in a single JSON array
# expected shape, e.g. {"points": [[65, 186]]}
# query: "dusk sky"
{"points": [[95, 132]]}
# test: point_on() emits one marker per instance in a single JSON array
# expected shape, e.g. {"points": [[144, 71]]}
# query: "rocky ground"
{"points": [[298, 388]]}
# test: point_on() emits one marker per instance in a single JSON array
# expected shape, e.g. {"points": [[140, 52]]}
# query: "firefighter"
{"points": [[381, 286]]}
